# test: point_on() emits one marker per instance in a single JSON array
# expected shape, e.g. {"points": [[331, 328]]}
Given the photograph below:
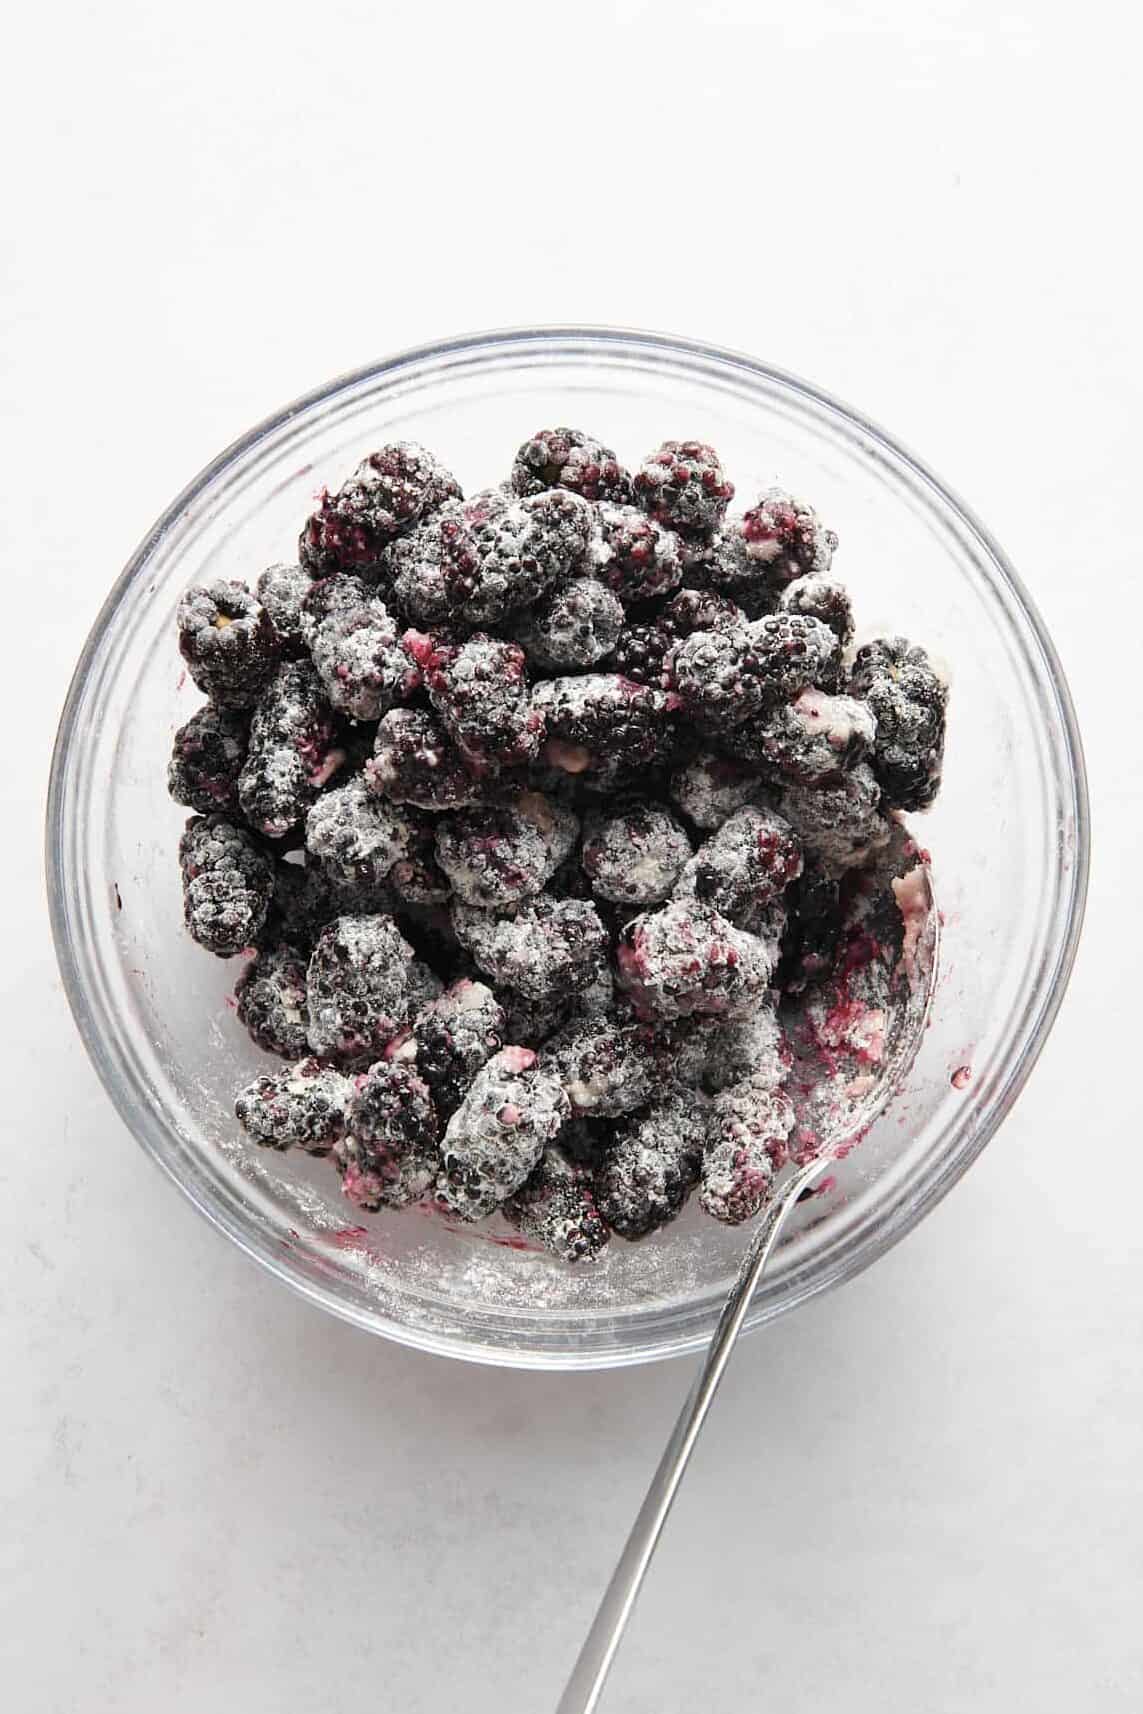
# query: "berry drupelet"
{"points": [[636, 557], [388, 493], [450, 1039], [228, 642], [513, 1109], [549, 949], [360, 986], [479, 691], [271, 1000], [746, 1142], [687, 958], [682, 484], [281, 589], [744, 866], [633, 854], [604, 725], [228, 882], [498, 855], [416, 762], [294, 750], [555, 1208], [389, 1155], [206, 759], [303, 1107], [641, 652], [651, 1166], [568, 458], [573, 627], [909, 700]]}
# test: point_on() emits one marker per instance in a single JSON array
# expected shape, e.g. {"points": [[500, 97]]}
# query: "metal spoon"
{"points": [[847, 1065]]}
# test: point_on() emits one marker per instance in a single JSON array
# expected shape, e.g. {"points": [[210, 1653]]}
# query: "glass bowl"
{"points": [[1008, 836]]}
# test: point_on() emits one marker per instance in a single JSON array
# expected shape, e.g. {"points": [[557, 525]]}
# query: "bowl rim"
{"points": [[901, 1218]]}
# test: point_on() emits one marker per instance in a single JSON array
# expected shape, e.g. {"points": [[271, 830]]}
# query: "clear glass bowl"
{"points": [[1009, 838]]}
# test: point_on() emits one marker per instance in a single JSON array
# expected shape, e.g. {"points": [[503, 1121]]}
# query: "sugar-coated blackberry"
{"points": [[389, 1156], [714, 1053], [304, 1107], [497, 855], [775, 542], [359, 986], [634, 853], [749, 861], [652, 1165], [604, 724], [228, 642], [641, 653], [416, 878], [708, 788], [547, 949], [416, 762], [682, 484], [450, 1039], [568, 458], [281, 589], [228, 882], [793, 653], [479, 691], [840, 824], [636, 557], [718, 677], [700, 610], [606, 1066], [513, 1109], [356, 835], [555, 1208], [686, 958], [207, 757], [271, 1000], [746, 1140], [575, 625], [821, 597], [388, 493], [813, 740], [355, 644], [532, 1022], [909, 698], [294, 750]]}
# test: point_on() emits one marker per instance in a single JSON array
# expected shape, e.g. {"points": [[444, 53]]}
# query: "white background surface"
{"points": [[921, 1494]]}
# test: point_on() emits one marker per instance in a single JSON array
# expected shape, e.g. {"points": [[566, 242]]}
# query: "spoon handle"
{"points": [[585, 1686]]}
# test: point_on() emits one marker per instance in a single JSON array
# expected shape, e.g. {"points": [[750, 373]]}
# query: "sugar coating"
{"points": [[569, 458], [747, 862], [479, 691], [841, 824], [389, 1156], [812, 740], [713, 1053], [281, 589], [909, 699], [547, 949], [746, 1141], [605, 1065], [636, 557], [513, 1109], [603, 724], [207, 757], [776, 541], [708, 788], [555, 1208], [821, 597], [497, 855], [304, 1106], [228, 642], [450, 1039], [576, 625], [652, 1165], [682, 484], [271, 1000], [415, 762], [294, 750], [358, 986], [388, 493], [356, 834], [355, 644], [228, 882], [686, 958], [634, 853]]}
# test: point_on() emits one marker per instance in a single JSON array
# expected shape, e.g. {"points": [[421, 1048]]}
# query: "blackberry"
{"points": [[718, 677], [748, 862], [228, 643], [633, 555], [228, 882], [304, 1107], [909, 699], [549, 949], [776, 542], [415, 762], [576, 625], [635, 853], [708, 788], [652, 1165], [682, 484], [207, 758], [824, 598], [388, 493], [700, 610], [356, 836], [641, 652], [813, 740], [686, 958], [389, 1154], [555, 1208], [746, 1141], [450, 1039], [604, 724], [794, 653], [817, 922], [293, 750], [281, 589], [606, 1066], [714, 1053], [498, 855], [840, 824], [356, 647], [358, 986], [568, 458], [480, 693], [513, 1109], [271, 997]]}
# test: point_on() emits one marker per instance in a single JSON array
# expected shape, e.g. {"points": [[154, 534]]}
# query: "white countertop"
{"points": [[923, 1493]]}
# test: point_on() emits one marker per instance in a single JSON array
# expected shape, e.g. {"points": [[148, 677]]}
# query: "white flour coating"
{"points": [[356, 833], [634, 854], [548, 949], [842, 824], [513, 1109], [709, 788], [604, 1066]]}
